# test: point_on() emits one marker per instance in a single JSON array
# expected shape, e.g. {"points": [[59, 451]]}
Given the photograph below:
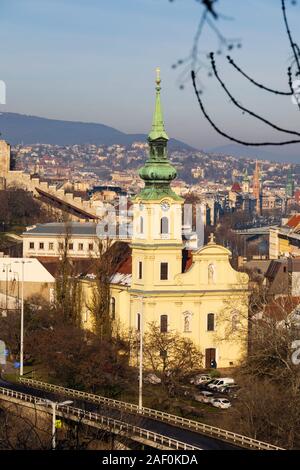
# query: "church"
{"points": [[196, 293]]}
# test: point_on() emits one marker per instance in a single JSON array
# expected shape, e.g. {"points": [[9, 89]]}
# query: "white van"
{"points": [[217, 384]]}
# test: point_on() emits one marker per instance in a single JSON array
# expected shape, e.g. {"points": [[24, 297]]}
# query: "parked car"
{"points": [[152, 379], [200, 379], [219, 383], [204, 397], [211, 384], [232, 391], [222, 403], [228, 388]]}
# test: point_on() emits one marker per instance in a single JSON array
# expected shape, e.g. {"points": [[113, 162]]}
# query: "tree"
{"points": [[170, 355], [67, 286], [19, 207], [195, 63], [269, 375], [109, 256]]}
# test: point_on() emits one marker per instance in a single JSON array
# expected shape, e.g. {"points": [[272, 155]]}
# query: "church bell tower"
{"points": [[157, 213]]}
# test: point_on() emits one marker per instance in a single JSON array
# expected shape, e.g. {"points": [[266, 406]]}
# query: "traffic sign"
{"points": [[58, 423]]}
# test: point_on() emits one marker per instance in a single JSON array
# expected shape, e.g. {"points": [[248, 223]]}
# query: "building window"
{"points": [[113, 308], [164, 323], [141, 225], [71, 246], [140, 270], [138, 322], [51, 295], [163, 271], [31, 245], [80, 246], [51, 246], [41, 246], [211, 322], [164, 225], [91, 246], [61, 246]]}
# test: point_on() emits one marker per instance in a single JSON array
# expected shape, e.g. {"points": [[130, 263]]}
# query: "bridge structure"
{"points": [[147, 426], [256, 230]]}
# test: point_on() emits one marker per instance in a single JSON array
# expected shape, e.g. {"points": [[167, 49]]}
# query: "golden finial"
{"points": [[158, 79]]}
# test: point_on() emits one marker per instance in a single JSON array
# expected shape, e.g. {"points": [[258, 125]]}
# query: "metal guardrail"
{"points": [[192, 425], [115, 425]]}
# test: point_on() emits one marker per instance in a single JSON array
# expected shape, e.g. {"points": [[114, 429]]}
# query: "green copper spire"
{"points": [[246, 178], [157, 171], [158, 128], [290, 185]]}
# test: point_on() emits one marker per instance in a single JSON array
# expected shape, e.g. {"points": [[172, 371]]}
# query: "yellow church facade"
{"points": [[195, 293]]}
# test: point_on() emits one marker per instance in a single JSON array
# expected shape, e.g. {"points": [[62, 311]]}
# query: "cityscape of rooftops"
{"points": [[149, 230]]}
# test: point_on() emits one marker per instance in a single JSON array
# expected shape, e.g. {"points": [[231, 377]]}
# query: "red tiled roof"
{"points": [[236, 188], [125, 266], [280, 308], [294, 221], [187, 260]]}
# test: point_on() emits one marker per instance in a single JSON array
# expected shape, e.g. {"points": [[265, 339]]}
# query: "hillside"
{"points": [[20, 128]]}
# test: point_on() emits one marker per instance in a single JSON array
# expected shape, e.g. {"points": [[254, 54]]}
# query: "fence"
{"points": [[192, 425], [114, 425]]}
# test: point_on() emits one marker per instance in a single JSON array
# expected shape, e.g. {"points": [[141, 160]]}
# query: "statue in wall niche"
{"points": [[187, 323], [211, 273]]}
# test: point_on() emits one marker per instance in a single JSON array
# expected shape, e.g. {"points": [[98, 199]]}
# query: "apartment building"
{"points": [[49, 240]]}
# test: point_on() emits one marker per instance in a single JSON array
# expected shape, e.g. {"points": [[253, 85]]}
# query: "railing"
{"points": [[114, 425], [192, 425]]}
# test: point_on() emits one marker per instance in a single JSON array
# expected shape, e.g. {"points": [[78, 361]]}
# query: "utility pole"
{"points": [[141, 356]]}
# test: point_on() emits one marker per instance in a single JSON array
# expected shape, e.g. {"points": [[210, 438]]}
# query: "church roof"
{"points": [[236, 188], [122, 273], [294, 221]]}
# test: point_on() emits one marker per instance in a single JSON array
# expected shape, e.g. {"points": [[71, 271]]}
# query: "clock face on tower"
{"points": [[165, 206]]}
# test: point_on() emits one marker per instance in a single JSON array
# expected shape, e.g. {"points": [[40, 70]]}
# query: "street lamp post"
{"points": [[23, 262], [141, 357], [54, 405], [5, 270]]}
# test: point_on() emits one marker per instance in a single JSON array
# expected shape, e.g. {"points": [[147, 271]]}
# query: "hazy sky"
{"points": [[94, 60]]}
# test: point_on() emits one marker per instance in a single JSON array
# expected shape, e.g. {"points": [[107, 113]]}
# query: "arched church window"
{"points": [[164, 323], [141, 225], [211, 322], [164, 225], [138, 322]]}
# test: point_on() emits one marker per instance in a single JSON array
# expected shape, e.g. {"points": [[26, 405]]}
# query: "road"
{"points": [[178, 433]]}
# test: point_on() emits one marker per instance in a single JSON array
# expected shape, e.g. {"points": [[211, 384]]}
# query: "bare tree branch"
{"points": [[227, 136]]}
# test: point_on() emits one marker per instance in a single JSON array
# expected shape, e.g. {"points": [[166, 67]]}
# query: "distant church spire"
{"points": [[290, 185], [246, 181], [257, 187], [157, 172]]}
